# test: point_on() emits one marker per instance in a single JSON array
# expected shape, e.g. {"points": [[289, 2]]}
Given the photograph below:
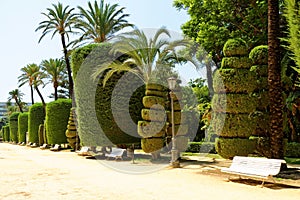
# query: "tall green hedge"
{"points": [[97, 124], [6, 133], [22, 126], [36, 117], [13, 125], [57, 116]]}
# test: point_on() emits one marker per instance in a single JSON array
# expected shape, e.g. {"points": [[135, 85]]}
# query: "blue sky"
{"points": [[19, 41]]}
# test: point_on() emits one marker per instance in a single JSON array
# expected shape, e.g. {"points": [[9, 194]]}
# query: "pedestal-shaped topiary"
{"points": [[57, 115], [13, 125], [233, 104], [6, 133], [259, 57], [36, 117], [22, 126]]}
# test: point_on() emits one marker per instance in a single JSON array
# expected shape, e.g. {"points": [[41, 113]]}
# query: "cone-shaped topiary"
{"points": [[57, 115], [22, 126], [36, 117], [13, 125], [71, 132]]}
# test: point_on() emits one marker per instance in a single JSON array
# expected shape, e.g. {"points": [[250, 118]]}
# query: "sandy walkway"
{"points": [[27, 173]]}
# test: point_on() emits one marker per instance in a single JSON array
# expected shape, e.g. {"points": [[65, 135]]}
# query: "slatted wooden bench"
{"points": [[262, 168], [116, 153]]}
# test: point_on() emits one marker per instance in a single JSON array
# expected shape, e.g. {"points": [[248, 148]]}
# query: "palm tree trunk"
{"points": [[40, 95], [31, 92], [55, 85], [274, 81], [19, 105], [68, 65]]}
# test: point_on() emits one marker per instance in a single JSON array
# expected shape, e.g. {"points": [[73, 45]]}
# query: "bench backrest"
{"points": [[259, 166]]}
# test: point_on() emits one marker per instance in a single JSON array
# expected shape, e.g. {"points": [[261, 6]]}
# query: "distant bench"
{"points": [[116, 153], [262, 168]]}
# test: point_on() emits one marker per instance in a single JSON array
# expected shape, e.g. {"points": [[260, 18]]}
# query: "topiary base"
{"points": [[150, 145]]}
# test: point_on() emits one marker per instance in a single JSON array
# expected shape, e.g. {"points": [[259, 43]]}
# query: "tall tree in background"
{"points": [[274, 81], [28, 76], [17, 96], [54, 72], [213, 22], [100, 21], [60, 20]]}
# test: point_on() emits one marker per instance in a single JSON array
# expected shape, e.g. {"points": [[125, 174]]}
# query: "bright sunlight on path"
{"points": [[27, 173]]}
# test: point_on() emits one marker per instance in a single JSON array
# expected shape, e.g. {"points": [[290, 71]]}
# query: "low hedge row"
{"points": [[293, 150], [201, 147]]}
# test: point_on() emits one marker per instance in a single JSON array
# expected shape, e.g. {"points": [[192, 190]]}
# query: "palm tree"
{"points": [[100, 21], [17, 96], [144, 55], [274, 80], [28, 76], [54, 69], [60, 20]]}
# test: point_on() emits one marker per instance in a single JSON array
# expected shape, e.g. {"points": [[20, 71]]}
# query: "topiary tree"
{"points": [[6, 133], [22, 126], [57, 115], [71, 132], [96, 123], [233, 103], [13, 125], [36, 117]]}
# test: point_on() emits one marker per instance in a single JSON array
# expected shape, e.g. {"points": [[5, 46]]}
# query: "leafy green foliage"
{"points": [[35, 118], [228, 148], [236, 62], [57, 115], [201, 147], [259, 55], [6, 133], [235, 47], [22, 126], [213, 22], [293, 150], [13, 125]]}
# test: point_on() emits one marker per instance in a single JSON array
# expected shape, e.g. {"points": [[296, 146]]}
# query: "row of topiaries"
{"points": [[55, 120]]}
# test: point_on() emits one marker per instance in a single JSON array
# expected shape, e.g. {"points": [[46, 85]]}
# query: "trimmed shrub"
{"points": [[150, 145], [97, 125], [234, 81], [41, 134], [259, 55], [154, 115], [201, 147], [179, 130], [233, 125], [13, 125], [293, 150], [260, 70], [228, 148], [234, 103], [163, 94], [36, 117], [57, 115], [22, 126], [6, 133], [236, 63], [151, 129], [235, 47], [149, 101]]}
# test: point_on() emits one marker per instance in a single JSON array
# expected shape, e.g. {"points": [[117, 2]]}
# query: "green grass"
{"points": [[208, 155], [292, 160]]}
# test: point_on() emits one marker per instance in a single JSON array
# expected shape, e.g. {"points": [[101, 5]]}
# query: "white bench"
{"points": [[262, 168], [116, 153]]}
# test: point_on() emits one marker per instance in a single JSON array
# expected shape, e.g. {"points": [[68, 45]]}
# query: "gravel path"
{"points": [[27, 173]]}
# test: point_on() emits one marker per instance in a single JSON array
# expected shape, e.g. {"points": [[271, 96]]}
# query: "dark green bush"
{"points": [[13, 124], [201, 147], [236, 62], [233, 125], [228, 148], [22, 126], [234, 81], [96, 123], [235, 47], [1, 133], [6, 133], [259, 55], [36, 117], [234, 103], [57, 116], [260, 70], [293, 150]]}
